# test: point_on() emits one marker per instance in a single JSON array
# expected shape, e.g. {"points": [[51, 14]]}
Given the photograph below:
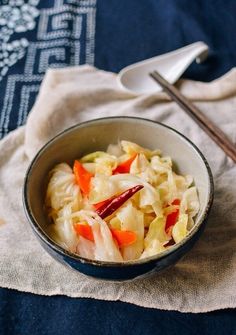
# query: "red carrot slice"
{"points": [[84, 230], [176, 202], [82, 176], [125, 166], [172, 218], [124, 238]]}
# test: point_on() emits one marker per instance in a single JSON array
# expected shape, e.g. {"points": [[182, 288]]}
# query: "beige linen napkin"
{"points": [[205, 279]]}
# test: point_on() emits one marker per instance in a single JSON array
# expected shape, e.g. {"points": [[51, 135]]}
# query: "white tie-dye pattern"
{"points": [[64, 35]]}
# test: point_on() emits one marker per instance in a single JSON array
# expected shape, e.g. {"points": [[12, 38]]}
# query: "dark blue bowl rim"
{"points": [[51, 244]]}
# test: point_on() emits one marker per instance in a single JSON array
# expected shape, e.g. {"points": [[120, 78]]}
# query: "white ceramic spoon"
{"points": [[135, 78]]}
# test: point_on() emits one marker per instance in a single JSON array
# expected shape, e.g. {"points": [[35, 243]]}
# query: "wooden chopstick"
{"points": [[206, 124]]}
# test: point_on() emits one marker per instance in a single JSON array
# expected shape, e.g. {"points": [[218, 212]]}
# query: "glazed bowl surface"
{"points": [[96, 135]]}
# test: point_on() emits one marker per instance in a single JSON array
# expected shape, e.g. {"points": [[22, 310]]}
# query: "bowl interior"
{"points": [[97, 135]]}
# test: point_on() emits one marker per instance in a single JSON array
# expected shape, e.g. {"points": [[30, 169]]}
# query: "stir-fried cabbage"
{"points": [[105, 247], [132, 148], [157, 215], [85, 248], [102, 188], [63, 230], [103, 163], [132, 219], [62, 190], [179, 230]]}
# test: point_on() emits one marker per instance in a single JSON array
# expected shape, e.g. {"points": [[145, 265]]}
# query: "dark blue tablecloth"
{"points": [[57, 33], [27, 314]]}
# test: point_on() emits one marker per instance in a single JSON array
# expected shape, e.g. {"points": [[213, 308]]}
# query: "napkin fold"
{"points": [[205, 279]]}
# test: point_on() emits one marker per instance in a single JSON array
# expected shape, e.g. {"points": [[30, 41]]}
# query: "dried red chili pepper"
{"points": [[110, 207], [102, 203]]}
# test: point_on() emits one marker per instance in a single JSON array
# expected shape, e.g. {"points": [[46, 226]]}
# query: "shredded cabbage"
{"points": [[179, 230], [85, 248], [162, 211], [105, 247], [157, 231], [132, 219], [64, 229], [155, 247], [133, 148], [190, 203], [62, 189], [102, 188], [103, 163]]}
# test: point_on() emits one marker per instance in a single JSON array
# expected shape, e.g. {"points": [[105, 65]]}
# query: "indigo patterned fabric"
{"points": [[35, 35]]}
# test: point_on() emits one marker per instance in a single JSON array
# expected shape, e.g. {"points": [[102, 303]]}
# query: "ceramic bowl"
{"points": [[97, 135]]}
